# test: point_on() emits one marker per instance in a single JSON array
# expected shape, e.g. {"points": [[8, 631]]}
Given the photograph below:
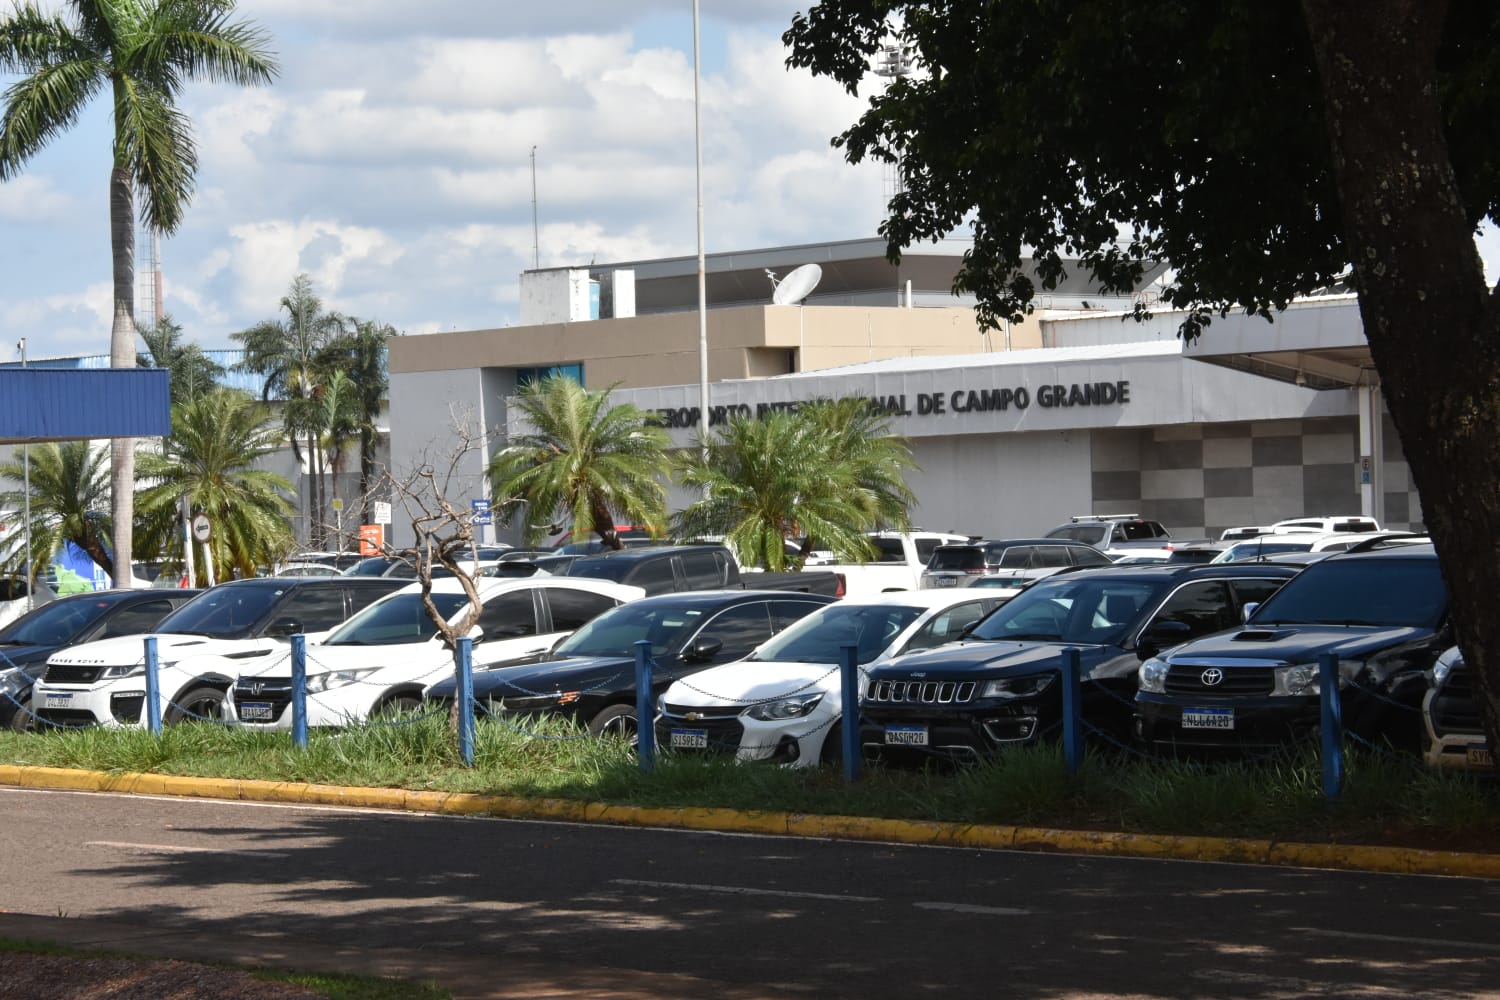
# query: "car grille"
{"points": [[1454, 709], [68, 718], [74, 673], [277, 691], [1187, 678], [921, 692]]}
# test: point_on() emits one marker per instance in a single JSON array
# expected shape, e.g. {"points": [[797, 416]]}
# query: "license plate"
{"points": [[58, 701], [1208, 718], [256, 711], [690, 739], [906, 736], [946, 581], [1480, 756]]}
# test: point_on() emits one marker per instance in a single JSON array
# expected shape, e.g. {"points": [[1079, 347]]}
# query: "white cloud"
{"points": [[32, 200]]}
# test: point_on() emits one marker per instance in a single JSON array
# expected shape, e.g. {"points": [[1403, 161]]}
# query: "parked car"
{"points": [[308, 569], [1327, 523], [1454, 728], [1116, 534], [1382, 610], [665, 569], [17, 597], [900, 558], [998, 687], [382, 657], [961, 564], [590, 676], [784, 701], [201, 648], [26, 643]]}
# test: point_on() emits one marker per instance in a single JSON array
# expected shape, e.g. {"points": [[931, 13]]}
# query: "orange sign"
{"points": [[370, 538]]}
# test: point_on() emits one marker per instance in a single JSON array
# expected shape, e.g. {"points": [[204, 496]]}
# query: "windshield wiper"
{"points": [[1021, 637]]}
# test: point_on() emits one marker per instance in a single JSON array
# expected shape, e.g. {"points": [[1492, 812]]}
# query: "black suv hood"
{"points": [[1300, 643], [997, 657], [20, 656]]}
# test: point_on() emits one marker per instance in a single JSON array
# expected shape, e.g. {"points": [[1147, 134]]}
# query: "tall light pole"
{"points": [[702, 271], [536, 233], [26, 488]]}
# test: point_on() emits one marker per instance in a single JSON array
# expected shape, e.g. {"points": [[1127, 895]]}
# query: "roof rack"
{"points": [[1389, 539], [1104, 517]]}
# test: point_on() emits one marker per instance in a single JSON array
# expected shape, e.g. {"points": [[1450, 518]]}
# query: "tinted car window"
{"points": [[317, 608], [956, 557], [948, 625], [654, 575], [1399, 592], [925, 548], [704, 570], [1091, 534], [508, 616], [890, 550], [616, 632], [55, 623], [821, 636], [1139, 530], [739, 629], [137, 619], [1254, 591], [225, 611], [1018, 557], [402, 618], [1087, 555], [1202, 606], [785, 612], [571, 609], [1081, 609]]}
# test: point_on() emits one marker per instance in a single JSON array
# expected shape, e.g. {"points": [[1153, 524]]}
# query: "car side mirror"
{"points": [[1159, 636], [703, 648], [287, 626], [1249, 610]]}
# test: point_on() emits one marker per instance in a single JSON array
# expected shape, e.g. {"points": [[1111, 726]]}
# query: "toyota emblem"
{"points": [[1212, 677]]}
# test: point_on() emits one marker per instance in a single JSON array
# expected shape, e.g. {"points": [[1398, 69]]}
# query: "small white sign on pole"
{"points": [[380, 512], [202, 528]]}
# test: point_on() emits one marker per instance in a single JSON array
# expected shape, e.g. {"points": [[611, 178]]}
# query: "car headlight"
{"points": [[1017, 687], [1153, 676], [133, 669], [14, 680], [1302, 680], [317, 683], [1445, 664], [796, 707]]}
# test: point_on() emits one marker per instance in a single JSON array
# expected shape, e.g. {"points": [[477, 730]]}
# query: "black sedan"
{"points": [[590, 676], [999, 687], [26, 642]]}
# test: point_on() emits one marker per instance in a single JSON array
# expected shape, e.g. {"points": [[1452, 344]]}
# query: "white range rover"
{"points": [[382, 658], [201, 647]]}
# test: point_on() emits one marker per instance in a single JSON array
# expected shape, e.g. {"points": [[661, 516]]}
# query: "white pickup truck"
{"points": [[900, 558]]}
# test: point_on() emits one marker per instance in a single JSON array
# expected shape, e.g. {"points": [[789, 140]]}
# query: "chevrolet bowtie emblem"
{"points": [[693, 716]]}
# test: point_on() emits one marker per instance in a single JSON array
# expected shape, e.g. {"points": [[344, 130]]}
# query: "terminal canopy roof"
{"points": [[40, 404]]}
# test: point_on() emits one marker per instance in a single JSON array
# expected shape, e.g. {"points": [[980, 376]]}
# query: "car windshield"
{"points": [[399, 619], [1257, 547], [1081, 609], [224, 612], [616, 632], [1342, 591], [822, 635], [1089, 534], [957, 557], [54, 624]]}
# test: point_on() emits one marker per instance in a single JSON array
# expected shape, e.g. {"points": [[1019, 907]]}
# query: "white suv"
{"points": [[382, 658], [201, 647]]}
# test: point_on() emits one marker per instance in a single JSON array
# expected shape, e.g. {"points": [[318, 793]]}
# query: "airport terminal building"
{"points": [[1077, 410]]}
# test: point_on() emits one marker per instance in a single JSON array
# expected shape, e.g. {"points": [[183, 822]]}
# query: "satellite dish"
{"points": [[796, 286]]}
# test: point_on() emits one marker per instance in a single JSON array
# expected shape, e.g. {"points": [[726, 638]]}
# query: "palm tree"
{"points": [[191, 371], [830, 472], [363, 345], [69, 491], [216, 439], [140, 52], [339, 418], [595, 463], [294, 358]]}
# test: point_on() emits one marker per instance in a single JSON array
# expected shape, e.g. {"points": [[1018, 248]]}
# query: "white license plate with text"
{"points": [[906, 736], [1208, 718]]}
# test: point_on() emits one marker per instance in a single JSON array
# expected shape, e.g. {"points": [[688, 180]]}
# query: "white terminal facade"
{"points": [[1077, 410]]}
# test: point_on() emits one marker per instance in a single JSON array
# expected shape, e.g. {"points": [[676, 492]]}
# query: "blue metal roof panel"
{"points": [[42, 404]]}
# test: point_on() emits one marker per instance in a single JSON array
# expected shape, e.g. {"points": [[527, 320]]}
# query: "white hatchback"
{"points": [[382, 658], [783, 702]]}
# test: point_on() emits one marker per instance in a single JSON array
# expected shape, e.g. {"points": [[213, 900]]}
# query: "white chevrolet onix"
{"points": [[381, 659], [783, 701]]}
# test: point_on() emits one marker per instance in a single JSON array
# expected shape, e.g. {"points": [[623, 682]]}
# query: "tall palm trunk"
{"points": [[122, 355]]}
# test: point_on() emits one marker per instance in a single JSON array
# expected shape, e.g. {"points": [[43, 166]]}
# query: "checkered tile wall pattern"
{"points": [[1202, 478]]}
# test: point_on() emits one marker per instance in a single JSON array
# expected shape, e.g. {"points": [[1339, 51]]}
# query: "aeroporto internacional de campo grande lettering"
{"points": [[927, 404]]}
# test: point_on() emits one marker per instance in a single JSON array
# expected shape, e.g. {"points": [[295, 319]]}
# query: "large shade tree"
{"points": [[594, 464], [1264, 148], [139, 53], [826, 474], [210, 458]]}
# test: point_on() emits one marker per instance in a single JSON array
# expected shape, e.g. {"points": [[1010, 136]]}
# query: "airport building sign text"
{"points": [[927, 404]]}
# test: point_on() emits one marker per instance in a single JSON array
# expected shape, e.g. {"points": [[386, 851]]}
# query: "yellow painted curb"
{"points": [[1399, 860]]}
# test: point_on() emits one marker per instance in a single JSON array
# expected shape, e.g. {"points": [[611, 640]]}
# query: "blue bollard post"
{"points": [[645, 715], [1333, 725], [1072, 694], [849, 674], [465, 650], [153, 691], [299, 691]]}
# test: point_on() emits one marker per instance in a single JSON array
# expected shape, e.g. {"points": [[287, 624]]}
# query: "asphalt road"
{"points": [[774, 916]]}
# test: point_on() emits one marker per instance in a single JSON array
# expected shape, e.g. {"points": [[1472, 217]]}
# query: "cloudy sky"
{"points": [[392, 161]]}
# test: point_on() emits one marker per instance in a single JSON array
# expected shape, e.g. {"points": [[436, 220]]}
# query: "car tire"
{"points": [[616, 720], [832, 754], [200, 704], [23, 721], [400, 704]]}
